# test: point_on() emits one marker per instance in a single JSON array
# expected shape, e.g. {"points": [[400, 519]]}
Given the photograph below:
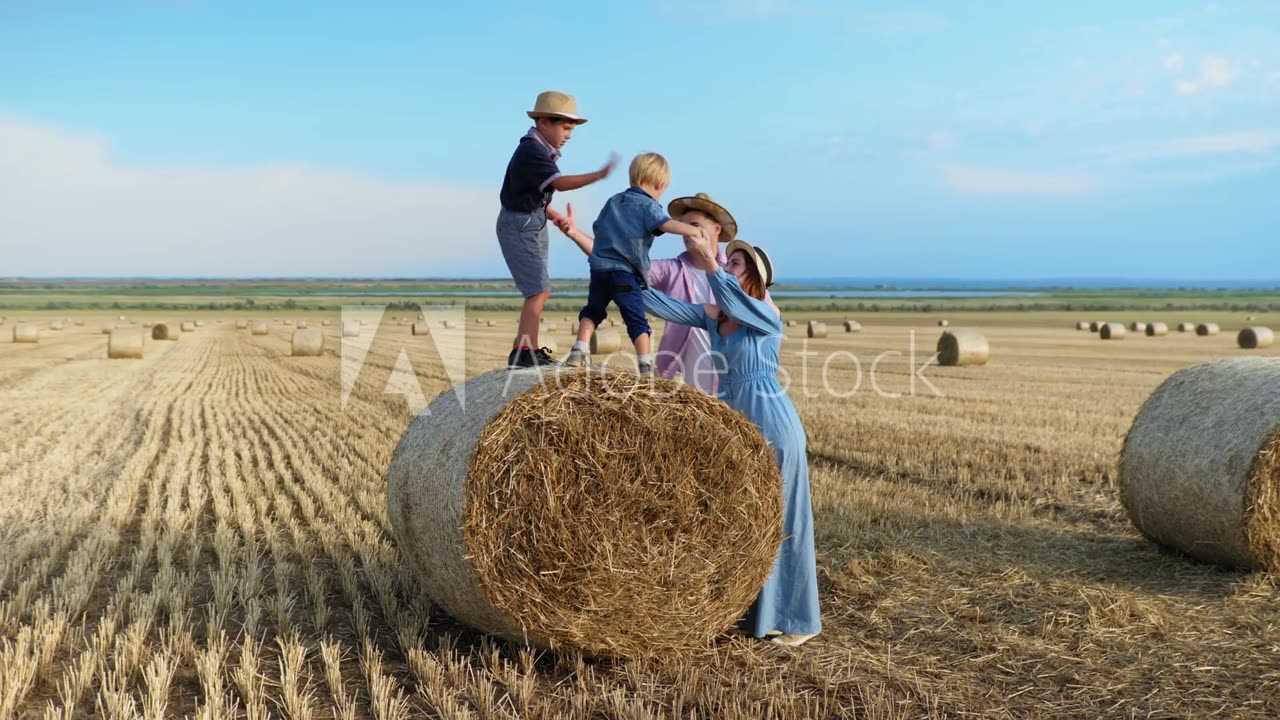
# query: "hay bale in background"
{"points": [[1096, 325], [420, 329], [165, 331], [816, 329], [199, 323], [302, 325], [1186, 327], [649, 551], [26, 333], [1082, 325], [242, 324], [1157, 329], [960, 347], [548, 344], [491, 324], [259, 327], [107, 328], [325, 323], [1200, 468], [449, 324], [1251, 318], [1138, 327], [351, 328], [943, 323], [79, 323], [1251, 338], [605, 341], [852, 326], [307, 342], [188, 326], [55, 325], [125, 343], [1207, 329], [1111, 331], [791, 323]]}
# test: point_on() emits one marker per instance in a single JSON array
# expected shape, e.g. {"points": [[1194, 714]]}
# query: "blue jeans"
{"points": [[623, 288]]}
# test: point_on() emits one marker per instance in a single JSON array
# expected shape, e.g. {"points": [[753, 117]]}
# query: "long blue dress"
{"points": [[749, 384]]}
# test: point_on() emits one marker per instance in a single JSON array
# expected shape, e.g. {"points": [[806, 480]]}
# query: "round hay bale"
{"points": [[791, 323], [125, 343], [1207, 329], [1157, 329], [1096, 325], [568, 319], [26, 333], [816, 329], [351, 328], [307, 343], [288, 323], [421, 329], [1251, 318], [943, 323], [605, 341], [491, 324], [449, 324], [325, 323], [1111, 331], [1200, 468], [960, 347], [242, 324], [1138, 327], [165, 331], [510, 532], [188, 326], [302, 325], [55, 325], [199, 323], [1251, 338], [259, 327], [1082, 325], [852, 326], [1186, 327], [107, 328], [479, 321], [79, 323]]}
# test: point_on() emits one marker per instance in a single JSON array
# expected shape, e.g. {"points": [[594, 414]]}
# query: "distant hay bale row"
{"points": [[943, 323], [961, 347], [125, 343], [791, 323], [242, 324], [1111, 331], [24, 332], [188, 326], [1157, 329], [1252, 338], [1138, 327], [307, 342], [1186, 327], [1200, 467], [1082, 325], [165, 331], [1207, 329], [421, 329], [816, 329], [605, 341], [199, 323], [259, 327], [351, 328]]}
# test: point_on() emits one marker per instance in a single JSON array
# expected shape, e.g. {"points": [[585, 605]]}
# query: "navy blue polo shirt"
{"points": [[527, 184], [624, 232]]}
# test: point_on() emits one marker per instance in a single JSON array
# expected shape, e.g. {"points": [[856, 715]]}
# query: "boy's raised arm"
{"points": [[573, 182]]}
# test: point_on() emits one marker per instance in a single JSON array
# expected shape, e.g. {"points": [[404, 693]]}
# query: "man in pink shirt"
{"points": [[683, 349]]}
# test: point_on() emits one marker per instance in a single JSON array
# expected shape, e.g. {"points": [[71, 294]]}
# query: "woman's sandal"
{"points": [[791, 640]]}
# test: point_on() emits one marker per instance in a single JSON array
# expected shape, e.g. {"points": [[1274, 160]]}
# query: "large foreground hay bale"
{"points": [[421, 328], [125, 343], [242, 324], [816, 329], [656, 545], [351, 328], [963, 347], [852, 326], [1252, 338], [188, 326], [1207, 329], [1157, 329], [259, 327], [1186, 327], [165, 331], [605, 341], [26, 333], [1200, 469], [1138, 327], [1082, 325], [307, 342], [1111, 331]]}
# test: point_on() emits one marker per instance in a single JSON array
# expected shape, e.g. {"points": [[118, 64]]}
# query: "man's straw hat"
{"points": [[755, 254], [557, 105], [702, 202]]}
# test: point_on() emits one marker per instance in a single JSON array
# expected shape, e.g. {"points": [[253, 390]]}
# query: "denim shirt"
{"points": [[624, 232]]}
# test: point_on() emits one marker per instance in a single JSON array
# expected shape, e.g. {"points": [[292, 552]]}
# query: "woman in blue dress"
{"points": [[747, 333]]}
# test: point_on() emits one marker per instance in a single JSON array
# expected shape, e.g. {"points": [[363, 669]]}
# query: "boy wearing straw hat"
{"points": [[532, 177]]}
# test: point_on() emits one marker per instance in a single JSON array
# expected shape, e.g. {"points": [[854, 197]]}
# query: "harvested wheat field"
{"points": [[203, 532]]}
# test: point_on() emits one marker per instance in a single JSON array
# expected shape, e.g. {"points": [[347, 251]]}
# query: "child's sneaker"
{"points": [[577, 358], [529, 358], [645, 369]]}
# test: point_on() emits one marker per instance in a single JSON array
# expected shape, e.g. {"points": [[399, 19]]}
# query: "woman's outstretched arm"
{"points": [[737, 304], [674, 310]]}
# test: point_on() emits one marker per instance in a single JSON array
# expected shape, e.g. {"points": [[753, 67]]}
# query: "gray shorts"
{"points": [[523, 238]]}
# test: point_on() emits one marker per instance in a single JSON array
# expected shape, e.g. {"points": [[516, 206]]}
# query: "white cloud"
{"points": [[998, 181], [1173, 61], [1215, 71], [1247, 141], [69, 207], [941, 140]]}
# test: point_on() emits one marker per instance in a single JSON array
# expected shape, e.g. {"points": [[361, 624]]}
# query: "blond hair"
{"points": [[650, 169]]}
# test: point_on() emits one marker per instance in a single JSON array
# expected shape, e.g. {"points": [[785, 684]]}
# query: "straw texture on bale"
{"points": [[188, 326], [351, 328], [655, 546], [1251, 338], [1206, 329], [1111, 331], [421, 329], [605, 341], [963, 347], [259, 327], [242, 324], [852, 326], [164, 331], [1186, 327], [1138, 327], [1082, 325], [1157, 329], [26, 333], [307, 342], [816, 329], [1200, 468], [125, 343]]}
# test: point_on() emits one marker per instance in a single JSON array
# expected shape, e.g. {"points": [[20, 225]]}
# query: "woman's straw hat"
{"points": [[755, 254], [702, 202], [557, 105]]}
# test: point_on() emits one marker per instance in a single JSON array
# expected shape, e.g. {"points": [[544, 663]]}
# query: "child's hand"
{"points": [[608, 167], [564, 220]]}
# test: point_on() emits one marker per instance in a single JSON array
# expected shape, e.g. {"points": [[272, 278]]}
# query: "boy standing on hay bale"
{"points": [[619, 259], [531, 178]]}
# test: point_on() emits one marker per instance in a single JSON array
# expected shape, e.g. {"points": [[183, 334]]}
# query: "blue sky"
{"points": [[930, 139]]}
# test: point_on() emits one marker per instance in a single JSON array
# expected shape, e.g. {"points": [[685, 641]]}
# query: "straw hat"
{"points": [[557, 105], [702, 202], [756, 254]]}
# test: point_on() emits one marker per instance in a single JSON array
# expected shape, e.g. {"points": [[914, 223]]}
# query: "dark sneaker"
{"points": [[528, 358], [577, 358], [645, 369], [542, 356]]}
